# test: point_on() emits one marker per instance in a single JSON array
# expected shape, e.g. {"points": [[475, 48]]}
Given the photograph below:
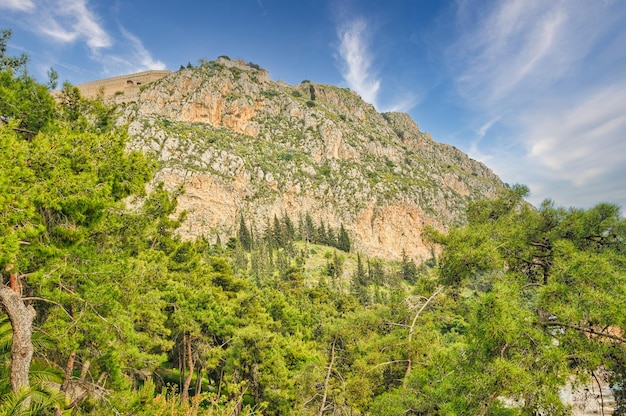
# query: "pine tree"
{"points": [[343, 240], [277, 234], [331, 240], [244, 235], [309, 230], [408, 269], [288, 228], [359, 283], [322, 237]]}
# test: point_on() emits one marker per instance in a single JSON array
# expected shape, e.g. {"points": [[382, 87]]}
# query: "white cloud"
{"points": [[515, 46], [553, 74], [18, 5], [583, 141], [75, 21], [357, 61], [84, 23], [482, 131], [137, 58], [62, 21], [401, 103]]}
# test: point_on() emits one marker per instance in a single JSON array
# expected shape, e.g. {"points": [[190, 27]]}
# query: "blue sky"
{"points": [[535, 89]]}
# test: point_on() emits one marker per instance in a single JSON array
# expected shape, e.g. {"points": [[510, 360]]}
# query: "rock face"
{"points": [[243, 145]]}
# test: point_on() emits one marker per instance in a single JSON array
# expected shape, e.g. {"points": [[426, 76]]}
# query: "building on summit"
{"points": [[123, 86]]}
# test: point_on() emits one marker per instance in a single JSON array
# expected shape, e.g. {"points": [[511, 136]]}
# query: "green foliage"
{"points": [[24, 100], [277, 322], [245, 238], [530, 283], [12, 63], [343, 240]]}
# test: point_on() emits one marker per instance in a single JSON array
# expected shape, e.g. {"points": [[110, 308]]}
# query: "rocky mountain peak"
{"points": [[244, 145]]}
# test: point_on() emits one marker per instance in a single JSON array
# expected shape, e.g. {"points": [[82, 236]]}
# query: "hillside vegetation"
{"points": [[109, 307], [242, 145]]}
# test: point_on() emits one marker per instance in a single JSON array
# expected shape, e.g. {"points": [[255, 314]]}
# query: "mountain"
{"points": [[242, 145]]}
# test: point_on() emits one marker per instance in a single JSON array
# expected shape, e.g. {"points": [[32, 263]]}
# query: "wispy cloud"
{"points": [[482, 131], [70, 22], [510, 47], [584, 141], [354, 51], [360, 72], [137, 57], [21, 5], [66, 21], [553, 73]]}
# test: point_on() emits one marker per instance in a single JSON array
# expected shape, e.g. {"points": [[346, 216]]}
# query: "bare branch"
{"points": [[412, 328], [49, 301], [585, 329]]}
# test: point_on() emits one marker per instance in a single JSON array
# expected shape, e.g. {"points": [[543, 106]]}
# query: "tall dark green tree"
{"points": [[359, 284], [243, 234], [343, 240], [408, 269]]}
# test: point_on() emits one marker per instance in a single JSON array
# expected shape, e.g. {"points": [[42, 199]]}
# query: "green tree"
{"points": [[408, 269], [359, 285], [58, 187], [12, 63], [343, 240], [541, 290], [22, 99], [245, 238]]}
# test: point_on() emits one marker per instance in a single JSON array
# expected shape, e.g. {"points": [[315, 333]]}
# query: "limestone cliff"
{"points": [[241, 144]]}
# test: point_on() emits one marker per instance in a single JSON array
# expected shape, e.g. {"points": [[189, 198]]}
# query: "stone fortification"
{"points": [[123, 86]]}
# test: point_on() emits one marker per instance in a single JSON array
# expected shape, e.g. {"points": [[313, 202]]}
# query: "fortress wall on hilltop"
{"points": [[123, 85]]}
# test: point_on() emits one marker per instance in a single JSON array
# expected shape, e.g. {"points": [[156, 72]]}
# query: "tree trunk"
{"points": [[21, 317], [84, 370], [69, 367], [327, 379], [187, 348]]}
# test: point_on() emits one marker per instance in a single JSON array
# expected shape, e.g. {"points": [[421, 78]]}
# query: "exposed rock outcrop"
{"points": [[242, 144]]}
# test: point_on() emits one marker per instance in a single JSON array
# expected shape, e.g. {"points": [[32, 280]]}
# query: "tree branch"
{"points": [[327, 379], [412, 328], [49, 301], [584, 329]]}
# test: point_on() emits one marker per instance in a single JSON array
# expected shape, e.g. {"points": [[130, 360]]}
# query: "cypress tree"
{"points": [[322, 237], [358, 286], [244, 235], [309, 229], [331, 240], [343, 240], [408, 269]]}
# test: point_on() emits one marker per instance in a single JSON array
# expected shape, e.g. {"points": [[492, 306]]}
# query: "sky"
{"points": [[535, 89]]}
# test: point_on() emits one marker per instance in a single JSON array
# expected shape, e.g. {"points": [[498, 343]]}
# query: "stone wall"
{"points": [[123, 86]]}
